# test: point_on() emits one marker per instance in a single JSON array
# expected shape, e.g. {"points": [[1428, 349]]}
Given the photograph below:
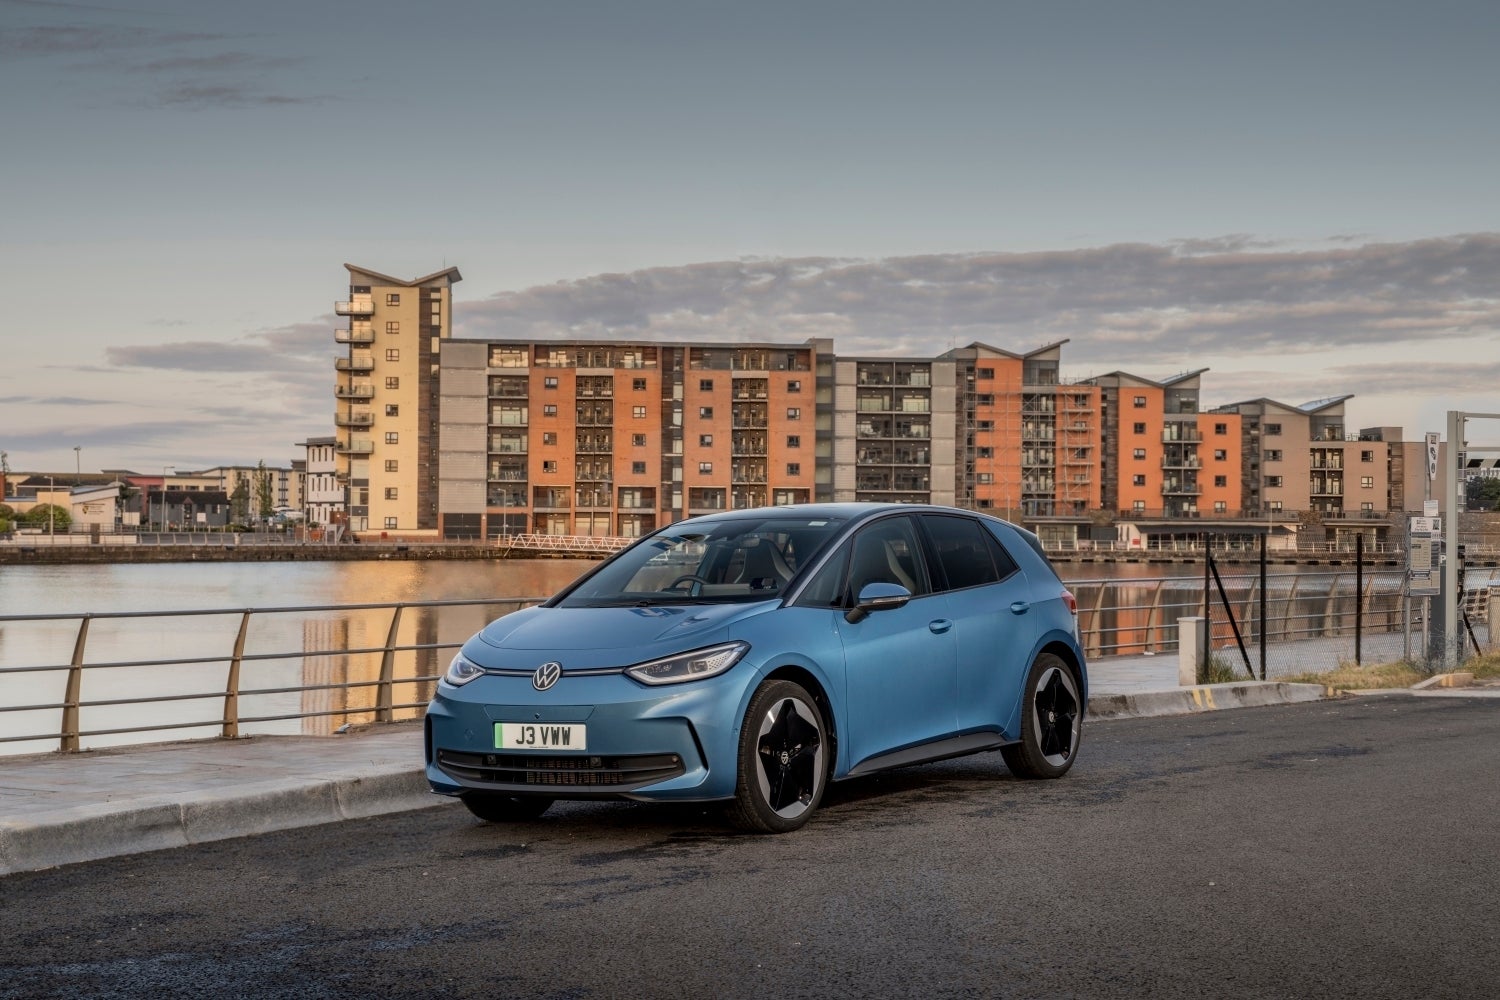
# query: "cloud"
{"points": [[1120, 301], [181, 70], [287, 351], [53, 401]]}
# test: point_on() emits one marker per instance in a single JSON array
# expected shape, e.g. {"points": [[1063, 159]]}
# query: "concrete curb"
{"points": [[1203, 698], [1454, 680], [106, 830]]}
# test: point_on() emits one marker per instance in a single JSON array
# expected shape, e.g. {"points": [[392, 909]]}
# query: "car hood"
{"points": [[562, 629]]}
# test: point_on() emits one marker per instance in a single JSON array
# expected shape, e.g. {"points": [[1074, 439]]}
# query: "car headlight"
{"points": [[694, 666], [462, 670]]}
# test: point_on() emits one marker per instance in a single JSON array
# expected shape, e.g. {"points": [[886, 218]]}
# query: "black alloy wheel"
{"points": [[1051, 722], [783, 763]]}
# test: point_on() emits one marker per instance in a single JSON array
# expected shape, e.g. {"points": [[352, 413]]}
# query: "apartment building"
{"points": [[323, 492], [615, 439], [1162, 457], [1298, 458], [1029, 443], [386, 420]]}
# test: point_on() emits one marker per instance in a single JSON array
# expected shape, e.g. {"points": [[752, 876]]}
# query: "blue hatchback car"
{"points": [[753, 656]]}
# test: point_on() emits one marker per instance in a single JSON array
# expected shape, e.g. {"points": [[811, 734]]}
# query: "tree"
{"points": [[265, 496], [1483, 494], [239, 501], [45, 515]]}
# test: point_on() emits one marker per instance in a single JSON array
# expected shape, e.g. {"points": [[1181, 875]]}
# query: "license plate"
{"points": [[541, 736]]}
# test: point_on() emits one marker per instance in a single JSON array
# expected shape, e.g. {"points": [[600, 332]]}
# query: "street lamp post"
{"points": [[51, 511], [77, 464]]}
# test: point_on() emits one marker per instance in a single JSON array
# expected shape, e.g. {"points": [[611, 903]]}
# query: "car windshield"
{"points": [[723, 560]]}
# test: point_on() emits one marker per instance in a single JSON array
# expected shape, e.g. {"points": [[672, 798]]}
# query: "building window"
{"points": [[550, 382], [984, 373], [1273, 481], [393, 382], [985, 478], [1221, 428], [1273, 454], [705, 467], [549, 466], [638, 412], [1273, 429], [705, 385], [1137, 480], [1138, 453], [1368, 482], [794, 440], [638, 440], [391, 465], [1220, 506], [393, 354], [1275, 504], [706, 412], [1139, 402], [985, 399], [1221, 480], [393, 298], [638, 384], [392, 437], [984, 425], [1220, 455], [794, 385], [1138, 505], [392, 326], [794, 468], [705, 440], [794, 413], [1139, 428], [984, 452], [391, 493], [638, 468], [1366, 505], [390, 522], [392, 410], [1367, 456], [549, 410], [549, 437]]}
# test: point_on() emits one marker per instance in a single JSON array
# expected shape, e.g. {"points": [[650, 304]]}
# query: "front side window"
{"points": [[887, 552]]}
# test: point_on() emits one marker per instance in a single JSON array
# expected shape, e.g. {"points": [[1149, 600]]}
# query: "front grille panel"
{"points": [[584, 773]]}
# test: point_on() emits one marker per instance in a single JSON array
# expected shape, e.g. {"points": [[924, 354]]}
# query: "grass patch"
{"points": [[1486, 666], [1220, 670], [1351, 677]]}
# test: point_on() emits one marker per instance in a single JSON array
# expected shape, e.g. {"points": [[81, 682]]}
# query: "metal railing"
{"points": [[229, 719]]}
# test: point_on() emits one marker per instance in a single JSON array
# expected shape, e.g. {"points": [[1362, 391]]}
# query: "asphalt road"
{"points": [[1344, 849]]}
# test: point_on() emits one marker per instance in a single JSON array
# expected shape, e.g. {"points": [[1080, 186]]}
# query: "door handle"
{"points": [[1020, 607], [940, 626]]}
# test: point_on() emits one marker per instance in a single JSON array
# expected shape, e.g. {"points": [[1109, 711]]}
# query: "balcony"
{"points": [[360, 362], [358, 333], [1174, 432], [360, 305], [353, 419], [361, 390], [1180, 462], [1173, 488], [358, 446]]}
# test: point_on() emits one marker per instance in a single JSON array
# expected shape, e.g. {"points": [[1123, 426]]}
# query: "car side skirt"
{"points": [[926, 753]]}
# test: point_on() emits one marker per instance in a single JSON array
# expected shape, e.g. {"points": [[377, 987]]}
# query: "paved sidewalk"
{"points": [[57, 809]]}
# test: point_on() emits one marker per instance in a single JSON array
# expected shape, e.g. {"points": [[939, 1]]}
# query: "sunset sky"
{"points": [[1301, 197]]}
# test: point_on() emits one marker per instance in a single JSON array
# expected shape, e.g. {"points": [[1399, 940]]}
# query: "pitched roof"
{"points": [[451, 273]]}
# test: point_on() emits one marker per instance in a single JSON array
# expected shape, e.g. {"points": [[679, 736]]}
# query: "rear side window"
{"points": [[964, 556]]}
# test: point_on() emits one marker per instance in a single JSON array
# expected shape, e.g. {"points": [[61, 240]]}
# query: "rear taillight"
{"points": [[1070, 601]]}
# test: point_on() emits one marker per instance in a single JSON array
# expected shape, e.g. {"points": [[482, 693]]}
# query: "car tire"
{"points": [[493, 808], [783, 760], [1051, 722]]}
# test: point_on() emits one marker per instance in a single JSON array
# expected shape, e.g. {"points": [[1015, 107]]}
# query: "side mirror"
{"points": [[877, 597]]}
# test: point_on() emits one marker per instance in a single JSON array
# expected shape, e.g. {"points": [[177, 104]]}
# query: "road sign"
{"points": [[1423, 566]]}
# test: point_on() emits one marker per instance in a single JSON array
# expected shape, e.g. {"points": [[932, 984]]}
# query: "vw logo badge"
{"points": [[546, 675]]}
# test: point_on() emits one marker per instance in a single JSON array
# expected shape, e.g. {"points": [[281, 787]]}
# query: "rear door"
{"points": [[988, 598]]}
